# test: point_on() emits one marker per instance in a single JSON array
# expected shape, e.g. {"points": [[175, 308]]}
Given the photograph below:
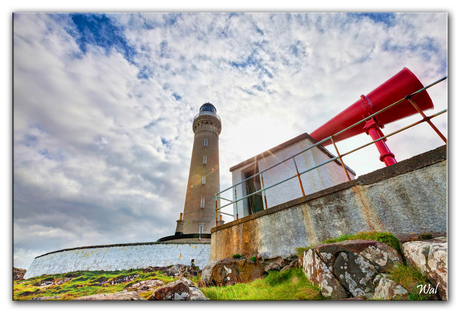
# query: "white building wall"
{"points": [[123, 257], [315, 180]]}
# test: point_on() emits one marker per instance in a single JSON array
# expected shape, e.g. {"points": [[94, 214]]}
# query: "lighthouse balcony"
{"points": [[207, 113]]}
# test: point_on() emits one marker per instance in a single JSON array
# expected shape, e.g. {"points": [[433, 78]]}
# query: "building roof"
{"points": [[284, 145]]}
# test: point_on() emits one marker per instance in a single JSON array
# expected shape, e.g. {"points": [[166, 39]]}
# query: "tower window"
{"points": [[201, 229], [206, 142], [203, 180], [203, 200], [205, 159]]}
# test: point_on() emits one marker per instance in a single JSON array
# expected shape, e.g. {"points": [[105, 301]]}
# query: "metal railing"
{"points": [[339, 156], [207, 113]]}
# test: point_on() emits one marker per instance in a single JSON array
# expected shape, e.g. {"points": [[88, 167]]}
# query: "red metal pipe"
{"points": [[396, 88], [372, 128]]}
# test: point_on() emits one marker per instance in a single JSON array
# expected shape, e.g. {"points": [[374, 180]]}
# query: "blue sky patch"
{"points": [[99, 30], [144, 73], [378, 17], [171, 19]]}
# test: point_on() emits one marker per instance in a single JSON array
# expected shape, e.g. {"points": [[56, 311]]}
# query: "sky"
{"points": [[103, 106]]}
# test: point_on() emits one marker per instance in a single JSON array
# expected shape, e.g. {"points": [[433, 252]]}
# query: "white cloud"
{"points": [[102, 142]]}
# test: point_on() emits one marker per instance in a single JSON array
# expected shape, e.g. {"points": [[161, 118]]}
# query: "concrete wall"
{"points": [[406, 198], [315, 180], [119, 257]]}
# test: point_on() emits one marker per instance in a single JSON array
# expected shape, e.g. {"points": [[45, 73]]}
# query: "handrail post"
{"points": [[298, 176], [409, 98], [216, 210], [340, 157], [236, 203], [263, 190]]}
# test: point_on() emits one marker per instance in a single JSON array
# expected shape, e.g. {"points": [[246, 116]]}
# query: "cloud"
{"points": [[103, 106]]}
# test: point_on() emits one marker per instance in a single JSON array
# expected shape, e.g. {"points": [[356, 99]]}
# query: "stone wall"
{"points": [[119, 257], [409, 197]]}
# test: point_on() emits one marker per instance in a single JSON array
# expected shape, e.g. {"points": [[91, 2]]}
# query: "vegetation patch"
{"points": [[410, 277], [387, 238], [287, 285], [83, 283]]}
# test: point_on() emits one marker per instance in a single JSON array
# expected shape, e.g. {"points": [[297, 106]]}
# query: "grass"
{"points": [[82, 283], [287, 285], [409, 277], [387, 238]]}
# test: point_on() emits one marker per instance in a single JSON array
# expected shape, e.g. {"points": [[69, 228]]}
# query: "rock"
{"points": [[293, 264], [61, 281], [182, 289], [118, 296], [45, 298], [430, 257], [18, 273], [380, 255], [46, 283], [179, 270], [271, 264], [348, 261], [319, 274], [145, 285], [229, 271], [120, 280], [353, 299], [348, 267], [388, 289]]}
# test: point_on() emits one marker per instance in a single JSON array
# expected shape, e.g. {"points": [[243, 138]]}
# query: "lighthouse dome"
{"points": [[208, 107]]}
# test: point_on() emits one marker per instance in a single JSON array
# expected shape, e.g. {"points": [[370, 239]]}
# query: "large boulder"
{"points": [[356, 262], [182, 289], [119, 296], [230, 271], [348, 267], [430, 257], [319, 274]]}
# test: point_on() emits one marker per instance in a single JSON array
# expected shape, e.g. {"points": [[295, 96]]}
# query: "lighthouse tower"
{"points": [[204, 180]]}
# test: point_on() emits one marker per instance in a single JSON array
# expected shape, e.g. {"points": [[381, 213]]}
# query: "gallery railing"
{"points": [[339, 156]]}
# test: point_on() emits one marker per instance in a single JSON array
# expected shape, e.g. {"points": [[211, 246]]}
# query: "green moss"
{"points": [[385, 237], [237, 256]]}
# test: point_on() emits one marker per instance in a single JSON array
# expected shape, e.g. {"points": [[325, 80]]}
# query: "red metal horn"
{"points": [[397, 87]]}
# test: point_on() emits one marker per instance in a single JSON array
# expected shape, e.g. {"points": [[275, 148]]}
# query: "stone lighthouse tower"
{"points": [[204, 179]]}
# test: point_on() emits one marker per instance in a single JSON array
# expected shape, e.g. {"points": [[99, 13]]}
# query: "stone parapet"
{"points": [[409, 197]]}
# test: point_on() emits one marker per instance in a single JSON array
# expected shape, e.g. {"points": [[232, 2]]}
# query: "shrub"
{"points": [[237, 256]]}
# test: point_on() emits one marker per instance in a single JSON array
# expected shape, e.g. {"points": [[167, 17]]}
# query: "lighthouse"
{"points": [[203, 181]]}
